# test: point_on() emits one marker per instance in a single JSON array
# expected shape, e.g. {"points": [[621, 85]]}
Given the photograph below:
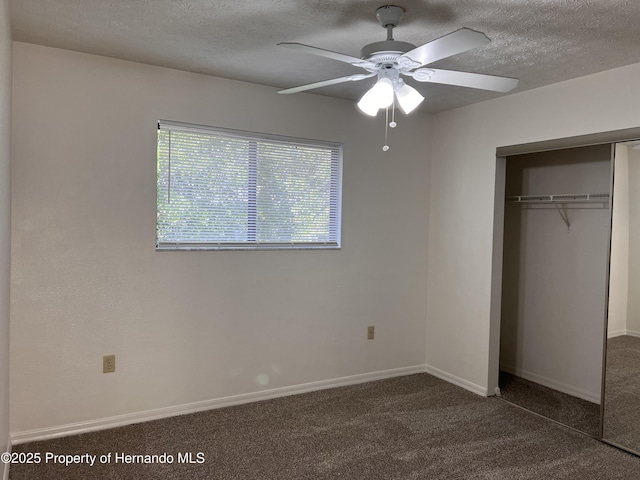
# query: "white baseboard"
{"points": [[165, 412], [620, 333], [616, 333], [460, 382], [5, 473], [551, 383]]}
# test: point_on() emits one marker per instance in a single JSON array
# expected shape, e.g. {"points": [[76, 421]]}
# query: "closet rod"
{"points": [[562, 198], [560, 201]]}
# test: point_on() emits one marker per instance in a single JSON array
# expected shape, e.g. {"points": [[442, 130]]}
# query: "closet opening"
{"points": [[554, 283], [562, 277], [564, 341]]}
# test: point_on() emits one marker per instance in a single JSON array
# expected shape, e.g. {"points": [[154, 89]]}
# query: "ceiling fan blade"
{"points": [[326, 83], [470, 80], [443, 47], [341, 57]]}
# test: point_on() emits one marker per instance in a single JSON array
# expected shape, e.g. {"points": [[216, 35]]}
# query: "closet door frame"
{"points": [[610, 137]]}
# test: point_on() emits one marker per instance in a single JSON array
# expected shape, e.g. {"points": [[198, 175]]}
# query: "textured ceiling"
{"points": [[538, 41]]}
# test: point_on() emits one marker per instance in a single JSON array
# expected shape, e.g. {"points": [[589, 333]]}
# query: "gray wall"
{"points": [[5, 215], [189, 327], [633, 306], [461, 321], [619, 271]]}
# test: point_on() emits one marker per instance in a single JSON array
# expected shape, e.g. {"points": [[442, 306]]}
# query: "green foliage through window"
{"points": [[228, 189]]}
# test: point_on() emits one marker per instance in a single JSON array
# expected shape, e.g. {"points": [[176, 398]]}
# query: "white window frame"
{"points": [[336, 147]]}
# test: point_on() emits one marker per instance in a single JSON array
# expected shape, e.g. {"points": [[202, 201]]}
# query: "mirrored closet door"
{"points": [[621, 417], [554, 293]]}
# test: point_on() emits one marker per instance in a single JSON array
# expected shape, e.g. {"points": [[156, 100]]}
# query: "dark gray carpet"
{"points": [[622, 392], [566, 409], [408, 428]]}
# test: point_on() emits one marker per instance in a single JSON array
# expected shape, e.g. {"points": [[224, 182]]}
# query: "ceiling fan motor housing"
{"points": [[385, 51]]}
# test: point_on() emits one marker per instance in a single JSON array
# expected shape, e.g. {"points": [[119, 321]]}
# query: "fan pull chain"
{"points": [[386, 129], [393, 123]]}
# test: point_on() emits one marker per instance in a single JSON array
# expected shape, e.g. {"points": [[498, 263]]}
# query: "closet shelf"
{"points": [[562, 198], [560, 201]]}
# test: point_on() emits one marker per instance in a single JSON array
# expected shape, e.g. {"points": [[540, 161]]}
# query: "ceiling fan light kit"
{"points": [[381, 95], [377, 97], [408, 98], [392, 59]]}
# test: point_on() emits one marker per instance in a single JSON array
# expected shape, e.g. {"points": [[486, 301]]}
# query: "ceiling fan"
{"points": [[390, 60]]}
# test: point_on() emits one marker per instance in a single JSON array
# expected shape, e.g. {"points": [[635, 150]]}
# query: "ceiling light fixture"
{"points": [[377, 97], [383, 94]]}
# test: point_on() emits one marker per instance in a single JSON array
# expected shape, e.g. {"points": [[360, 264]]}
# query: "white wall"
{"points": [[5, 215], [554, 278], [193, 326], [633, 305], [462, 190], [619, 273]]}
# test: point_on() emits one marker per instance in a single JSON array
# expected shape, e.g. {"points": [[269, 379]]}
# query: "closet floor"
{"points": [[561, 407], [622, 392]]}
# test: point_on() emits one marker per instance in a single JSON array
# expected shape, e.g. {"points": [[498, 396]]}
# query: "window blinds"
{"points": [[220, 188]]}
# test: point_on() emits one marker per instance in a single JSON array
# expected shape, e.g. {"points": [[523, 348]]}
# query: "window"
{"points": [[226, 189]]}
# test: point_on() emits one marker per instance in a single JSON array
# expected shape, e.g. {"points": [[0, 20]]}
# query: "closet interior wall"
{"points": [[554, 278], [633, 300], [624, 291]]}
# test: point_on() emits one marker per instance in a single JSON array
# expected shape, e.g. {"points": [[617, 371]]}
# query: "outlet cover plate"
{"points": [[371, 332], [108, 364]]}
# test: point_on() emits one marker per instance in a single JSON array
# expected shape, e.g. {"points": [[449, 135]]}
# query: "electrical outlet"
{"points": [[371, 332], [108, 364]]}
